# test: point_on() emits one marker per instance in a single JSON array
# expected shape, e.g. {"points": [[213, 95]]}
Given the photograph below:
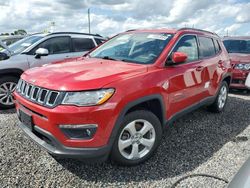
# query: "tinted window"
{"points": [[188, 45], [237, 46], [81, 44], [56, 45], [206, 47], [217, 46], [99, 41]]}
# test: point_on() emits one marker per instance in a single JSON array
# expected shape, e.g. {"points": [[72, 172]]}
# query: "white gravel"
{"points": [[200, 142]]}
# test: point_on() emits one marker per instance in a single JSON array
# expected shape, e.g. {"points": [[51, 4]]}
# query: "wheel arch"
{"points": [[11, 72], [139, 104]]}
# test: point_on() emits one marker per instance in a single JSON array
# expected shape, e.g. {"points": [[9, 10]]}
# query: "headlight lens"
{"points": [[88, 98], [242, 66], [239, 66]]}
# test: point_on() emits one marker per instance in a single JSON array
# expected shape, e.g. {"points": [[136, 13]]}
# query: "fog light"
{"points": [[85, 131]]}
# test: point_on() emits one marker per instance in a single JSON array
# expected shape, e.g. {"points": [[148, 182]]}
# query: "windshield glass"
{"points": [[22, 44], [141, 48], [237, 46]]}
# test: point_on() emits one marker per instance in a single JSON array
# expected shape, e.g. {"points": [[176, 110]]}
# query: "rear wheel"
{"points": [[7, 87], [137, 139], [221, 99]]}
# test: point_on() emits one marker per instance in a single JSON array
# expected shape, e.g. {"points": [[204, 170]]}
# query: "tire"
{"points": [[137, 128], [222, 97], [7, 87]]}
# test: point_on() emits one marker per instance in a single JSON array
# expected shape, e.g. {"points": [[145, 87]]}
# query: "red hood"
{"points": [[81, 74], [239, 58]]}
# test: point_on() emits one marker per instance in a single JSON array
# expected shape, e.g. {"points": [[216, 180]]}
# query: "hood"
{"points": [[81, 74], [239, 58]]}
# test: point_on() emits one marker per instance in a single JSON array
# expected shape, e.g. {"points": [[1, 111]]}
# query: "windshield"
{"points": [[237, 46], [141, 48], [22, 44]]}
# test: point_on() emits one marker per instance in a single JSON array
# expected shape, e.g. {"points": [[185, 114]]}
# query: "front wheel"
{"points": [[7, 87], [221, 99], [138, 138]]}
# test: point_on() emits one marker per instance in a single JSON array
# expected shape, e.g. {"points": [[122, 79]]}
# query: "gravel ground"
{"points": [[200, 142]]}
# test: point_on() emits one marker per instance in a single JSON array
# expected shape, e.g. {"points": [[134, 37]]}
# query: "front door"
{"points": [[59, 49], [186, 79]]}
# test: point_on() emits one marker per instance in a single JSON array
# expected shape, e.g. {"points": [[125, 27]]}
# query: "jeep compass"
{"points": [[239, 52], [116, 100]]}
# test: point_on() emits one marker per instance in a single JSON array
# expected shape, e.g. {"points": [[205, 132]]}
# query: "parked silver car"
{"points": [[37, 50]]}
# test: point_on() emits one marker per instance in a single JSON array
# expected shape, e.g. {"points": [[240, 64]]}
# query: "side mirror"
{"points": [[41, 52], [179, 57], [3, 56]]}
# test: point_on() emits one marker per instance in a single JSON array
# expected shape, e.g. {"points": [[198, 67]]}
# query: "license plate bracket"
{"points": [[26, 119]]}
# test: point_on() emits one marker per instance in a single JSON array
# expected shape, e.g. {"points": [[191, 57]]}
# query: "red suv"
{"points": [[239, 52], [116, 100]]}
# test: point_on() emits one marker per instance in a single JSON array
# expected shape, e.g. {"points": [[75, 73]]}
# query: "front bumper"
{"points": [[239, 79], [47, 141], [47, 133]]}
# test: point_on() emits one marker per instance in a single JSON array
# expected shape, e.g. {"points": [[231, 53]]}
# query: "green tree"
{"points": [[20, 32]]}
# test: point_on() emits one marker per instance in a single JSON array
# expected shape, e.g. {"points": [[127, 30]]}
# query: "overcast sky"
{"points": [[109, 17]]}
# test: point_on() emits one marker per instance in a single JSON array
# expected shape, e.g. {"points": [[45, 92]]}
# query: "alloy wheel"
{"points": [[6, 93], [222, 97], [136, 139]]}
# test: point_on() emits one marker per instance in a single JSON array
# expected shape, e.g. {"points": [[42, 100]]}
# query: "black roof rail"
{"points": [[53, 33], [195, 29], [130, 30]]}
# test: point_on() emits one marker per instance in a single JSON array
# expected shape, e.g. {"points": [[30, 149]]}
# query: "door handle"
{"points": [[200, 68], [220, 64]]}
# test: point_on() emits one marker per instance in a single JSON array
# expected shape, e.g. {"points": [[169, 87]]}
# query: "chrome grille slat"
{"points": [[36, 94]]}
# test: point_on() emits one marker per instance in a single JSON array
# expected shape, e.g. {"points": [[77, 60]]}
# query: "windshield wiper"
{"points": [[109, 58]]}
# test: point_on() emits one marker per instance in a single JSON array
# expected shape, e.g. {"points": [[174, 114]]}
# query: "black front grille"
{"points": [[38, 95]]}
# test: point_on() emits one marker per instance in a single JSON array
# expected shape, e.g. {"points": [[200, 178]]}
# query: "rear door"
{"points": [[59, 49], [210, 54], [185, 80]]}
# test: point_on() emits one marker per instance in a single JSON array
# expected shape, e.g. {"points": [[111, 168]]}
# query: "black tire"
{"points": [[215, 107], [148, 116], [3, 80]]}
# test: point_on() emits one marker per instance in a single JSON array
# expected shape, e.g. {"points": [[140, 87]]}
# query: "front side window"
{"points": [[237, 46], [141, 48], [82, 44], [206, 47], [188, 45], [56, 45]]}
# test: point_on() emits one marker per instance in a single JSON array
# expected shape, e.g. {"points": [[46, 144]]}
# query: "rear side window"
{"points": [[217, 46], [206, 47], [82, 44], [188, 45]]}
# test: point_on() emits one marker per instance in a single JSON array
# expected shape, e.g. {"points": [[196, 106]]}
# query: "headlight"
{"points": [[88, 98], [242, 66], [239, 66], [247, 66]]}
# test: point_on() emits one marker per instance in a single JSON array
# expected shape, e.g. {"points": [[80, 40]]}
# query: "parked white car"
{"points": [[37, 50]]}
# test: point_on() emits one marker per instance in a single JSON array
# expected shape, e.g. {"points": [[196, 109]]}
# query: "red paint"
{"points": [[179, 57], [239, 76], [131, 82]]}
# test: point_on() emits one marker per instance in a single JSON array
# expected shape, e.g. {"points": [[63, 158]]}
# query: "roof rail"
{"points": [[53, 33], [194, 29], [130, 30]]}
